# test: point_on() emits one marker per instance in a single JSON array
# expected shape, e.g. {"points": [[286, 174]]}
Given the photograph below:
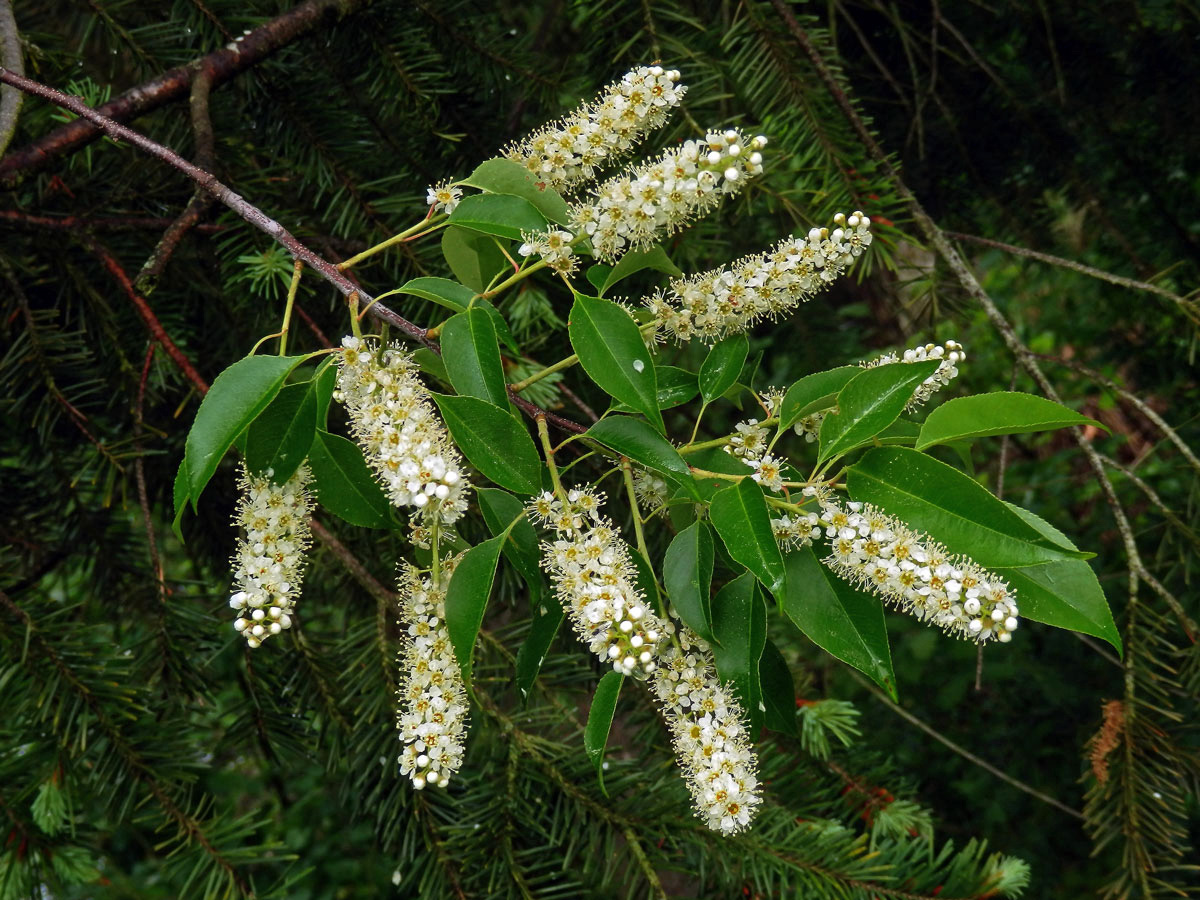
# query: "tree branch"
{"points": [[220, 65]]}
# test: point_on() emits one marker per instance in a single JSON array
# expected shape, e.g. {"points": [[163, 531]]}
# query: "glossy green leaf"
{"points": [[612, 352], [323, 386], [638, 261], [955, 510], [1002, 412], [441, 291], [343, 483], [644, 578], [778, 691], [237, 396], [599, 721], [278, 440], [687, 576], [471, 354], [466, 600], [870, 402], [503, 176], [522, 548], [840, 619], [813, 393], [473, 258], [739, 513], [546, 620], [645, 446], [722, 366], [494, 441], [1064, 593], [180, 494], [675, 387], [740, 626], [502, 215], [596, 275]]}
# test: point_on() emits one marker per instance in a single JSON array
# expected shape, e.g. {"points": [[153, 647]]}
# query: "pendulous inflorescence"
{"points": [[657, 199], [564, 153], [401, 435], [268, 565], [432, 716], [732, 298], [711, 738], [596, 582]]}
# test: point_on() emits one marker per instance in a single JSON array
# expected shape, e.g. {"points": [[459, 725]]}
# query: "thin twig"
{"points": [[19, 219]]}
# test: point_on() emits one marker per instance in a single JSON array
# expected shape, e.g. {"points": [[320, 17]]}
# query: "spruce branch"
{"points": [[221, 65]]}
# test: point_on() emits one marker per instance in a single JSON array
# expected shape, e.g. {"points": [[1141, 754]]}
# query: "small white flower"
{"points": [[444, 197]]}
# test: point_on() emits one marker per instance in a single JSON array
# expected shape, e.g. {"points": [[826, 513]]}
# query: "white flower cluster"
{"points": [[444, 197], [596, 582], [654, 200], [727, 300], [552, 246], [400, 432], [712, 743], [564, 153], [269, 563], [433, 702], [749, 444], [951, 354], [881, 554]]}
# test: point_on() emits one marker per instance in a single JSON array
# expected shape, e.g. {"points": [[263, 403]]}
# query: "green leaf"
{"points": [[180, 494], [814, 393], [236, 398], [502, 215], [956, 511], [642, 444], [1002, 412], [522, 549], [473, 258], [612, 352], [740, 626], [1064, 593], [536, 645], [344, 484], [472, 357], [596, 275], [675, 386], [778, 691], [599, 721], [467, 597], [638, 261], [840, 619], [722, 366], [503, 176], [323, 386], [739, 513], [687, 577], [459, 297], [644, 578], [278, 440], [869, 403], [496, 443]]}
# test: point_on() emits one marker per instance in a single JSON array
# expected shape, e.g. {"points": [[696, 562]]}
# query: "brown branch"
{"points": [[221, 66], [19, 219], [157, 331]]}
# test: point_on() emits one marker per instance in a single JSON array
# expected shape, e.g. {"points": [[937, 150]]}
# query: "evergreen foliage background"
{"points": [[144, 753]]}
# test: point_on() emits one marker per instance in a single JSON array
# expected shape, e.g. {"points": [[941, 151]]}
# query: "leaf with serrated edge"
{"points": [[642, 444], [1001, 412], [739, 513], [466, 600], [612, 352], [496, 443], [722, 366], [599, 721], [869, 403], [687, 576]]}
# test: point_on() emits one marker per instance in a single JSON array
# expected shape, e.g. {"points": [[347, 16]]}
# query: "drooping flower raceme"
{"points": [[269, 563], [907, 568], [708, 725], [432, 717], [595, 581], [399, 431], [655, 200], [566, 152], [730, 299]]}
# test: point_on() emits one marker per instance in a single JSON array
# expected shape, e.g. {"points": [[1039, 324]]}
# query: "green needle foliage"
{"points": [[146, 752]]}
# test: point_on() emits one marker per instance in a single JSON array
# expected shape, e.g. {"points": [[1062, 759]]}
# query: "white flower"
{"points": [[399, 431], [268, 565], [659, 198], [443, 197], [881, 554], [552, 246], [432, 715], [565, 153], [724, 301]]}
